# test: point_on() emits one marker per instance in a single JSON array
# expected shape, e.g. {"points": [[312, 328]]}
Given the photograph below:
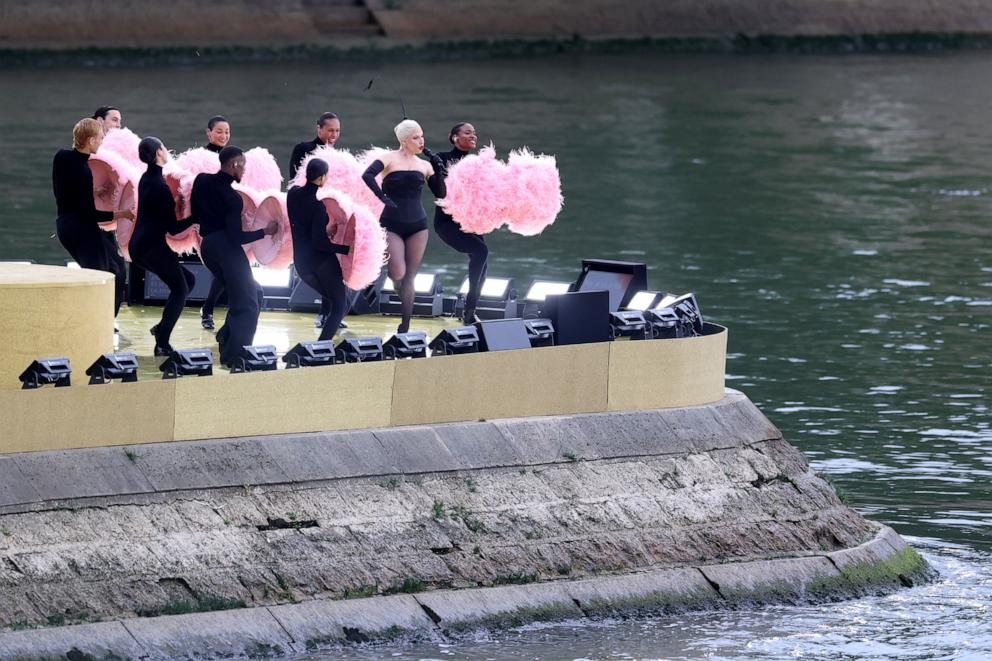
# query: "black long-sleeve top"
{"points": [[308, 222], [448, 158], [156, 212], [300, 152], [72, 183], [212, 147], [217, 208]]}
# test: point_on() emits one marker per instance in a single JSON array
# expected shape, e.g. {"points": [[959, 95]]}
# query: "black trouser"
{"points": [[86, 245], [117, 266], [228, 263], [216, 289], [164, 263], [326, 279], [350, 296], [474, 246]]}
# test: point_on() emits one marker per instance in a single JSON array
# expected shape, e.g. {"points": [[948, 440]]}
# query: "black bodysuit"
{"points": [[156, 217], [464, 242], [77, 223], [404, 214]]}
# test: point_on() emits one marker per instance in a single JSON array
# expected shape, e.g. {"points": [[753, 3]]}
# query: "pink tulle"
{"points": [[197, 161], [344, 174], [478, 189], [533, 194], [261, 170], [124, 143], [353, 224]]}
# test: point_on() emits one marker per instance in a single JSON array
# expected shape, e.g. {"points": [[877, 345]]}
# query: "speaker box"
{"points": [[155, 291], [579, 317], [502, 335], [621, 279]]}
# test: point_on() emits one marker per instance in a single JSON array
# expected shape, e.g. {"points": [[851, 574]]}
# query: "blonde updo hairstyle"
{"points": [[84, 130], [405, 129]]}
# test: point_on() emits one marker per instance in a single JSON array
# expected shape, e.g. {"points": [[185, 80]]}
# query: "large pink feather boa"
{"points": [[344, 174], [484, 193], [355, 225]]}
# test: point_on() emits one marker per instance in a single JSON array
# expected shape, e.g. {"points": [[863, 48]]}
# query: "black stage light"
{"points": [[427, 300], [310, 354], [406, 345], [261, 358], [579, 316], [187, 362], [276, 284], [119, 365], [450, 341], [359, 349], [497, 299], [45, 371], [629, 323], [502, 335], [621, 279], [533, 302], [644, 300], [687, 310], [664, 323], [540, 331]]}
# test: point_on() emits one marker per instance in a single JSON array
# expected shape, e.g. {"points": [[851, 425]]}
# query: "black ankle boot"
{"points": [[404, 326]]}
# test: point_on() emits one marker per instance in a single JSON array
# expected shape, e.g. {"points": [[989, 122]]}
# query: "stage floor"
{"points": [[279, 328]]}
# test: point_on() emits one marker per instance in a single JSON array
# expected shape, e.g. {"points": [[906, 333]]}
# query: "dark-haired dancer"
{"points": [[315, 256], [156, 216], [217, 208], [463, 139], [218, 135], [78, 220], [328, 132], [404, 218], [109, 118]]}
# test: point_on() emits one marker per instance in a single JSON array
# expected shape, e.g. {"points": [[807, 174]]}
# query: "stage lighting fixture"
{"points": [[359, 349], [579, 317], [644, 300], [120, 365], [406, 345], [541, 332], [310, 354], [277, 286], [497, 299], [260, 358], [621, 279], [533, 302], [628, 323], [687, 310], [427, 300], [664, 323], [71, 264], [46, 371], [188, 362], [457, 340]]}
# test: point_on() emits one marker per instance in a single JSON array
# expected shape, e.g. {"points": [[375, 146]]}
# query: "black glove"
{"points": [[439, 166]]}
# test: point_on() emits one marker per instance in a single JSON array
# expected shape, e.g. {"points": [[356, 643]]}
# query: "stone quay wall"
{"points": [[272, 545]]}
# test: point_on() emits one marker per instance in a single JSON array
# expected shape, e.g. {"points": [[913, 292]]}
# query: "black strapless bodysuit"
{"points": [[403, 187]]}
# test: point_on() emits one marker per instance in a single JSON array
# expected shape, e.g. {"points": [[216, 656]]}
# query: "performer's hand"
{"points": [[126, 214], [388, 201], [271, 228]]}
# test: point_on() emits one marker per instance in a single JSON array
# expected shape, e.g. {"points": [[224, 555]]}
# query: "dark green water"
{"points": [[832, 211]]}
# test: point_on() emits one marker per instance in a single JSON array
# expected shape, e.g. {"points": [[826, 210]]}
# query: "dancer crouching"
{"points": [[463, 139], [156, 217], [314, 255], [217, 208], [78, 220], [404, 218]]}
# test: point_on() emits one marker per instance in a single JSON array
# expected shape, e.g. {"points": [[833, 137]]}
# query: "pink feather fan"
{"points": [[478, 190], [356, 226], [344, 174], [261, 170], [276, 251], [179, 175], [124, 143], [534, 197], [114, 184]]}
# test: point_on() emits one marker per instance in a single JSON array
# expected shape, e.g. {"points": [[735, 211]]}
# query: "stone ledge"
{"points": [[289, 628]]}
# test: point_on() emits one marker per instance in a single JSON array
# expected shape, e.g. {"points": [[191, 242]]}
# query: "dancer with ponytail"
{"points": [[315, 256], [217, 209], [148, 249], [463, 140], [404, 217], [77, 225]]}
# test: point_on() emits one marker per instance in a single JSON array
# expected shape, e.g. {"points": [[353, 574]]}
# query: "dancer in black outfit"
{"points": [[315, 256], [77, 224], [156, 217], [328, 132], [462, 137], [404, 217], [217, 208], [218, 135], [109, 117]]}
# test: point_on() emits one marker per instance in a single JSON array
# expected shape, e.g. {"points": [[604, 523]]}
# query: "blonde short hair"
{"points": [[84, 130], [406, 128]]}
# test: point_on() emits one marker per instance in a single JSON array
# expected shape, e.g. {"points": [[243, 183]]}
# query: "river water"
{"points": [[832, 211]]}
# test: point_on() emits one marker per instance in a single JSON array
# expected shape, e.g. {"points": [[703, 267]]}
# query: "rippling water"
{"points": [[832, 211]]}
